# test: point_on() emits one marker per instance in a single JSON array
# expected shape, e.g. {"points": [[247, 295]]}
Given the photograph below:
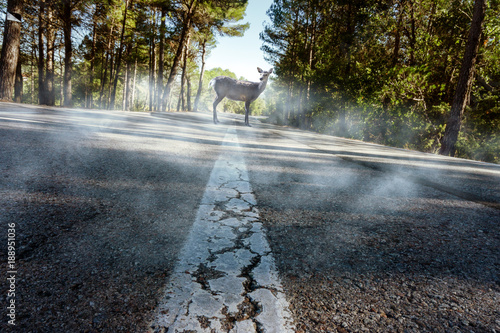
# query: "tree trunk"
{"points": [[41, 54], [288, 102], [413, 38], [161, 60], [132, 98], [397, 37], [61, 83], [104, 76], [202, 72], [183, 77], [127, 88], [92, 61], [342, 125], [111, 76], [119, 59], [178, 55], [179, 100], [311, 63], [32, 71], [18, 86], [152, 70], [300, 104], [10, 49], [349, 37], [465, 79], [188, 92], [68, 52], [49, 75]]}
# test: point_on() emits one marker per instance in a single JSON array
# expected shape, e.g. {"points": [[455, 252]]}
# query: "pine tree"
{"points": [[10, 48], [465, 79]]}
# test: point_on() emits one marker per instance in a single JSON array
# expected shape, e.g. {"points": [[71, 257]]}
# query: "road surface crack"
{"points": [[205, 273], [233, 285]]}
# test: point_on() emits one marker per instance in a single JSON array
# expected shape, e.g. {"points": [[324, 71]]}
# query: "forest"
{"points": [[380, 71], [141, 55], [387, 71]]}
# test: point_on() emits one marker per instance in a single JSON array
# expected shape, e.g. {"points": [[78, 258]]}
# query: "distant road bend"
{"points": [[165, 222]]}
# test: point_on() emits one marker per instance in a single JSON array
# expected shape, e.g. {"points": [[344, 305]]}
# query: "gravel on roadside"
{"points": [[376, 272]]}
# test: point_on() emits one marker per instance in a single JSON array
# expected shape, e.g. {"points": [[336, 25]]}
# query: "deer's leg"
{"points": [[247, 112], [216, 102]]}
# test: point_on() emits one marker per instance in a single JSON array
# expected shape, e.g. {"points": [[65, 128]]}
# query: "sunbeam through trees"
{"points": [[378, 71]]}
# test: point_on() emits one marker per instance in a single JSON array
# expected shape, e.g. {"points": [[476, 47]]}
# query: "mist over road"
{"points": [[364, 237]]}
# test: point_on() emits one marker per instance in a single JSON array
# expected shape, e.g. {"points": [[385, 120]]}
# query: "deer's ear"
{"points": [[271, 71], [259, 70]]}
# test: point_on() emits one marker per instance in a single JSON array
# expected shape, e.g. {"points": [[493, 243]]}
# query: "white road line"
{"points": [[225, 279]]}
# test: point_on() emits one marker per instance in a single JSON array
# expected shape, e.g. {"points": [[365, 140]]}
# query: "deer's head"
{"points": [[264, 74]]}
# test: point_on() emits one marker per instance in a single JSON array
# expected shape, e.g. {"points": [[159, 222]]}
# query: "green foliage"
{"points": [[383, 72], [97, 27], [373, 70]]}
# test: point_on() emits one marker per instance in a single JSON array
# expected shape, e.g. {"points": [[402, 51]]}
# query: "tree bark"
{"points": [[18, 86], [119, 59], [111, 75], [61, 83], [173, 71], [202, 72], [161, 60], [397, 37], [152, 70], [127, 89], [90, 103], [104, 76], [132, 98], [41, 54], [49, 74], [465, 79], [183, 77], [68, 53], [350, 27], [188, 92], [10, 49], [413, 38]]}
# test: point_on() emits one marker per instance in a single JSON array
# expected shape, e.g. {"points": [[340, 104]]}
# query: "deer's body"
{"points": [[236, 90]]}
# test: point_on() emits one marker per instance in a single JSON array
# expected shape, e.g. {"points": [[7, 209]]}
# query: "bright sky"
{"points": [[242, 55]]}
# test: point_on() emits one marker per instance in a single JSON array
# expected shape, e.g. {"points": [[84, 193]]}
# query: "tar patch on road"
{"points": [[225, 279]]}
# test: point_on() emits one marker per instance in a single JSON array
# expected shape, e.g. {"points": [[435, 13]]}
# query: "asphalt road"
{"points": [[363, 237]]}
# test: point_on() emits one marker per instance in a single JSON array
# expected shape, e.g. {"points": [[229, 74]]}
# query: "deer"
{"points": [[244, 91]]}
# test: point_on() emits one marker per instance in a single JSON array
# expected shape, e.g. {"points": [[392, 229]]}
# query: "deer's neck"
{"points": [[262, 85]]}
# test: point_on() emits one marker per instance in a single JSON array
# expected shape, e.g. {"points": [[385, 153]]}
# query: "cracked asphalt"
{"points": [[138, 222], [226, 279]]}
